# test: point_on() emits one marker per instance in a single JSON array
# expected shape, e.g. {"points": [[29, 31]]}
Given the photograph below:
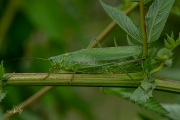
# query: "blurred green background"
{"points": [[44, 28]]}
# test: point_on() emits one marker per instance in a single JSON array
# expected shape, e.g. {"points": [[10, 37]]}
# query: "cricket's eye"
{"points": [[50, 59]]}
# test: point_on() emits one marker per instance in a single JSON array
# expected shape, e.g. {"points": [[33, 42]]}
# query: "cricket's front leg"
{"points": [[51, 70], [46, 76]]}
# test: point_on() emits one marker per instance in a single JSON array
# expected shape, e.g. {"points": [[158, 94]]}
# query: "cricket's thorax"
{"points": [[82, 59]]}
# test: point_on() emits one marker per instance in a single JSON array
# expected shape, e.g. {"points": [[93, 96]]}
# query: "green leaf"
{"points": [[150, 104], [3, 81], [170, 43], [174, 111], [146, 64], [2, 94], [123, 21], [168, 62], [143, 92], [158, 14], [164, 54]]}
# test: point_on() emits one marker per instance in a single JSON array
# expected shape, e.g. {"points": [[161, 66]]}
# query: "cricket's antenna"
{"points": [[48, 54], [25, 58]]}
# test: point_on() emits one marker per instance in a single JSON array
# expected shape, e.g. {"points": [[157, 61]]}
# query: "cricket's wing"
{"points": [[103, 54]]}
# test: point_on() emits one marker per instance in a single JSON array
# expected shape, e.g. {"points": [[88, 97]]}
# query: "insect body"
{"points": [[94, 60]]}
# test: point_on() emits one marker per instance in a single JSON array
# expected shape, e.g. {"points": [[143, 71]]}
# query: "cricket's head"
{"points": [[56, 60]]}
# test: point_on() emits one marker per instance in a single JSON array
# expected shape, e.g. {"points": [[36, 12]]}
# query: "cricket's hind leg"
{"points": [[115, 42], [130, 76], [94, 39], [125, 72]]}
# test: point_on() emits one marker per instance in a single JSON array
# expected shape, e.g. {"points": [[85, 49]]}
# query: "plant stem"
{"points": [[91, 80], [63, 79], [143, 26]]}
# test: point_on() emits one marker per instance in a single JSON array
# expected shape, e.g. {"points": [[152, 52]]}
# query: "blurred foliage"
{"points": [[43, 28]]}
